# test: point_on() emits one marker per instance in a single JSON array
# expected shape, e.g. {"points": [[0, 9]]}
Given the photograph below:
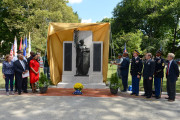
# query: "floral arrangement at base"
{"points": [[78, 87]]}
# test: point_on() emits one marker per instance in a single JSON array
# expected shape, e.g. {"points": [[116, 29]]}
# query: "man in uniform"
{"points": [[148, 71], [158, 74], [125, 70], [136, 69]]}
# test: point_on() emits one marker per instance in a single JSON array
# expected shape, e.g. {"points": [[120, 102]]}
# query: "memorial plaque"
{"points": [[97, 57], [67, 56]]}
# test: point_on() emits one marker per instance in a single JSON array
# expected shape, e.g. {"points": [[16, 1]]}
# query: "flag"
{"points": [[125, 48], [29, 44], [20, 46], [24, 46], [161, 48], [15, 46], [11, 51]]}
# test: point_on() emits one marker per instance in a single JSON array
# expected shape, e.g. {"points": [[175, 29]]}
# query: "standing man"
{"points": [[136, 69], [125, 70], [15, 58], [21, 67], [158, 74], [172, 74], [148, 71]]}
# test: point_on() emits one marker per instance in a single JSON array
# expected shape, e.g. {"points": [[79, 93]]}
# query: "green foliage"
{"points": [[157, 19], [114, 81], [43, 80], [19, 17], [132, 40]]}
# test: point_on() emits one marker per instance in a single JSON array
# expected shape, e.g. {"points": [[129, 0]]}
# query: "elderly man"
{"points": [[172, 74], [21, 67], [148, 71], [15, 58]]}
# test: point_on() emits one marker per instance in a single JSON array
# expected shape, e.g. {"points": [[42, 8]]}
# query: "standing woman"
{"points": [[34, 72], [8, 73]]}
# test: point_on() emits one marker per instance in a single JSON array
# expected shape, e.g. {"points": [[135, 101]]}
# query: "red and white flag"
{"points": [[20, 46]]}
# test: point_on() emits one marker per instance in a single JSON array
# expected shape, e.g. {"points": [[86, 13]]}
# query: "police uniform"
{"points": [[136, 69], [158, 75]]}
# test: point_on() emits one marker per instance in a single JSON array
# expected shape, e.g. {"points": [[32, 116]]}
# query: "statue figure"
{"points": [[82, 58]]}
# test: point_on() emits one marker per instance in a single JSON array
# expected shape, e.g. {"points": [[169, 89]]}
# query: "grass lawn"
{"points": [[114, 68], [110, 71]]}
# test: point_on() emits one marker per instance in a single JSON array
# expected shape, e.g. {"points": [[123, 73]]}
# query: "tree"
{"points": [[157, 19], [24, 16]]}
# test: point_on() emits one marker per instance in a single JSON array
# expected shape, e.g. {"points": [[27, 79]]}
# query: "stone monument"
{"points": [[82, 61]]}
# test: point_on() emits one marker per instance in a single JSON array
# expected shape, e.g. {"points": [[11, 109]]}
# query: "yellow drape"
{"points": [[59, 32]]}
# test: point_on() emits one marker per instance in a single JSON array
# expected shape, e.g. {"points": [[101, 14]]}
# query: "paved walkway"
{"points": [[86, 108], [121, 107]]}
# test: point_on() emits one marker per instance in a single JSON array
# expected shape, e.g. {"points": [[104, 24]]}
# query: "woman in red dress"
{"points": [[34, 72]]}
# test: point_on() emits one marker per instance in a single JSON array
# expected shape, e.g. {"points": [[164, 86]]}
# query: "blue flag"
{"points": [[24, 46]]}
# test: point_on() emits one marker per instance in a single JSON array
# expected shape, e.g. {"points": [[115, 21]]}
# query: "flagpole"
{"points": [[29, 50]]}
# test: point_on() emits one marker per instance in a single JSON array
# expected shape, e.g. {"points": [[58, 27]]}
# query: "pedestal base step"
{"points": [[90, 85]]}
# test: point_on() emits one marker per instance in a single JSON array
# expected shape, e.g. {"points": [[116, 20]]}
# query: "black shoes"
{"points": [[25, 91], [132, 93], [144, 95], [157, 97], [148, 96]]}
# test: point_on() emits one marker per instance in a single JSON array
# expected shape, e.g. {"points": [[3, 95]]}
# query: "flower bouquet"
{"points": [[78, 87]]}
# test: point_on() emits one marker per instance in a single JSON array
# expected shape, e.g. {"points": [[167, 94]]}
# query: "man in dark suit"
{"points": [[136, 69], [148, 72], [21, 67], [124, 68], [158, 74], [172, 74]]}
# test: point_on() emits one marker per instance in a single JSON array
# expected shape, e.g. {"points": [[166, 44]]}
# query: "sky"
{"points": [[91, 11]]}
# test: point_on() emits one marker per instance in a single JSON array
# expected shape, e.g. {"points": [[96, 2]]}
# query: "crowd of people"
{"points": [[20, 68], [150, 69]]}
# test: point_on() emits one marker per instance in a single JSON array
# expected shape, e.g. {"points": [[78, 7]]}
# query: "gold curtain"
{"points": [[59, 32]]}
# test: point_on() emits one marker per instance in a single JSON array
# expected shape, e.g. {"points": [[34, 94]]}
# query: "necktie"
{"points": [[167, 72]]}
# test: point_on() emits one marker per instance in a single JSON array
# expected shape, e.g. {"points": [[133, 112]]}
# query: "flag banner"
{"points": [[11, 51], [20, 46], [15, 46], [24, 46], [125, 48], [29, 45]]}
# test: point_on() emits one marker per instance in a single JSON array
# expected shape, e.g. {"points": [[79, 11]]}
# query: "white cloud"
{"points": [[75, 1], [86, 21]]}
